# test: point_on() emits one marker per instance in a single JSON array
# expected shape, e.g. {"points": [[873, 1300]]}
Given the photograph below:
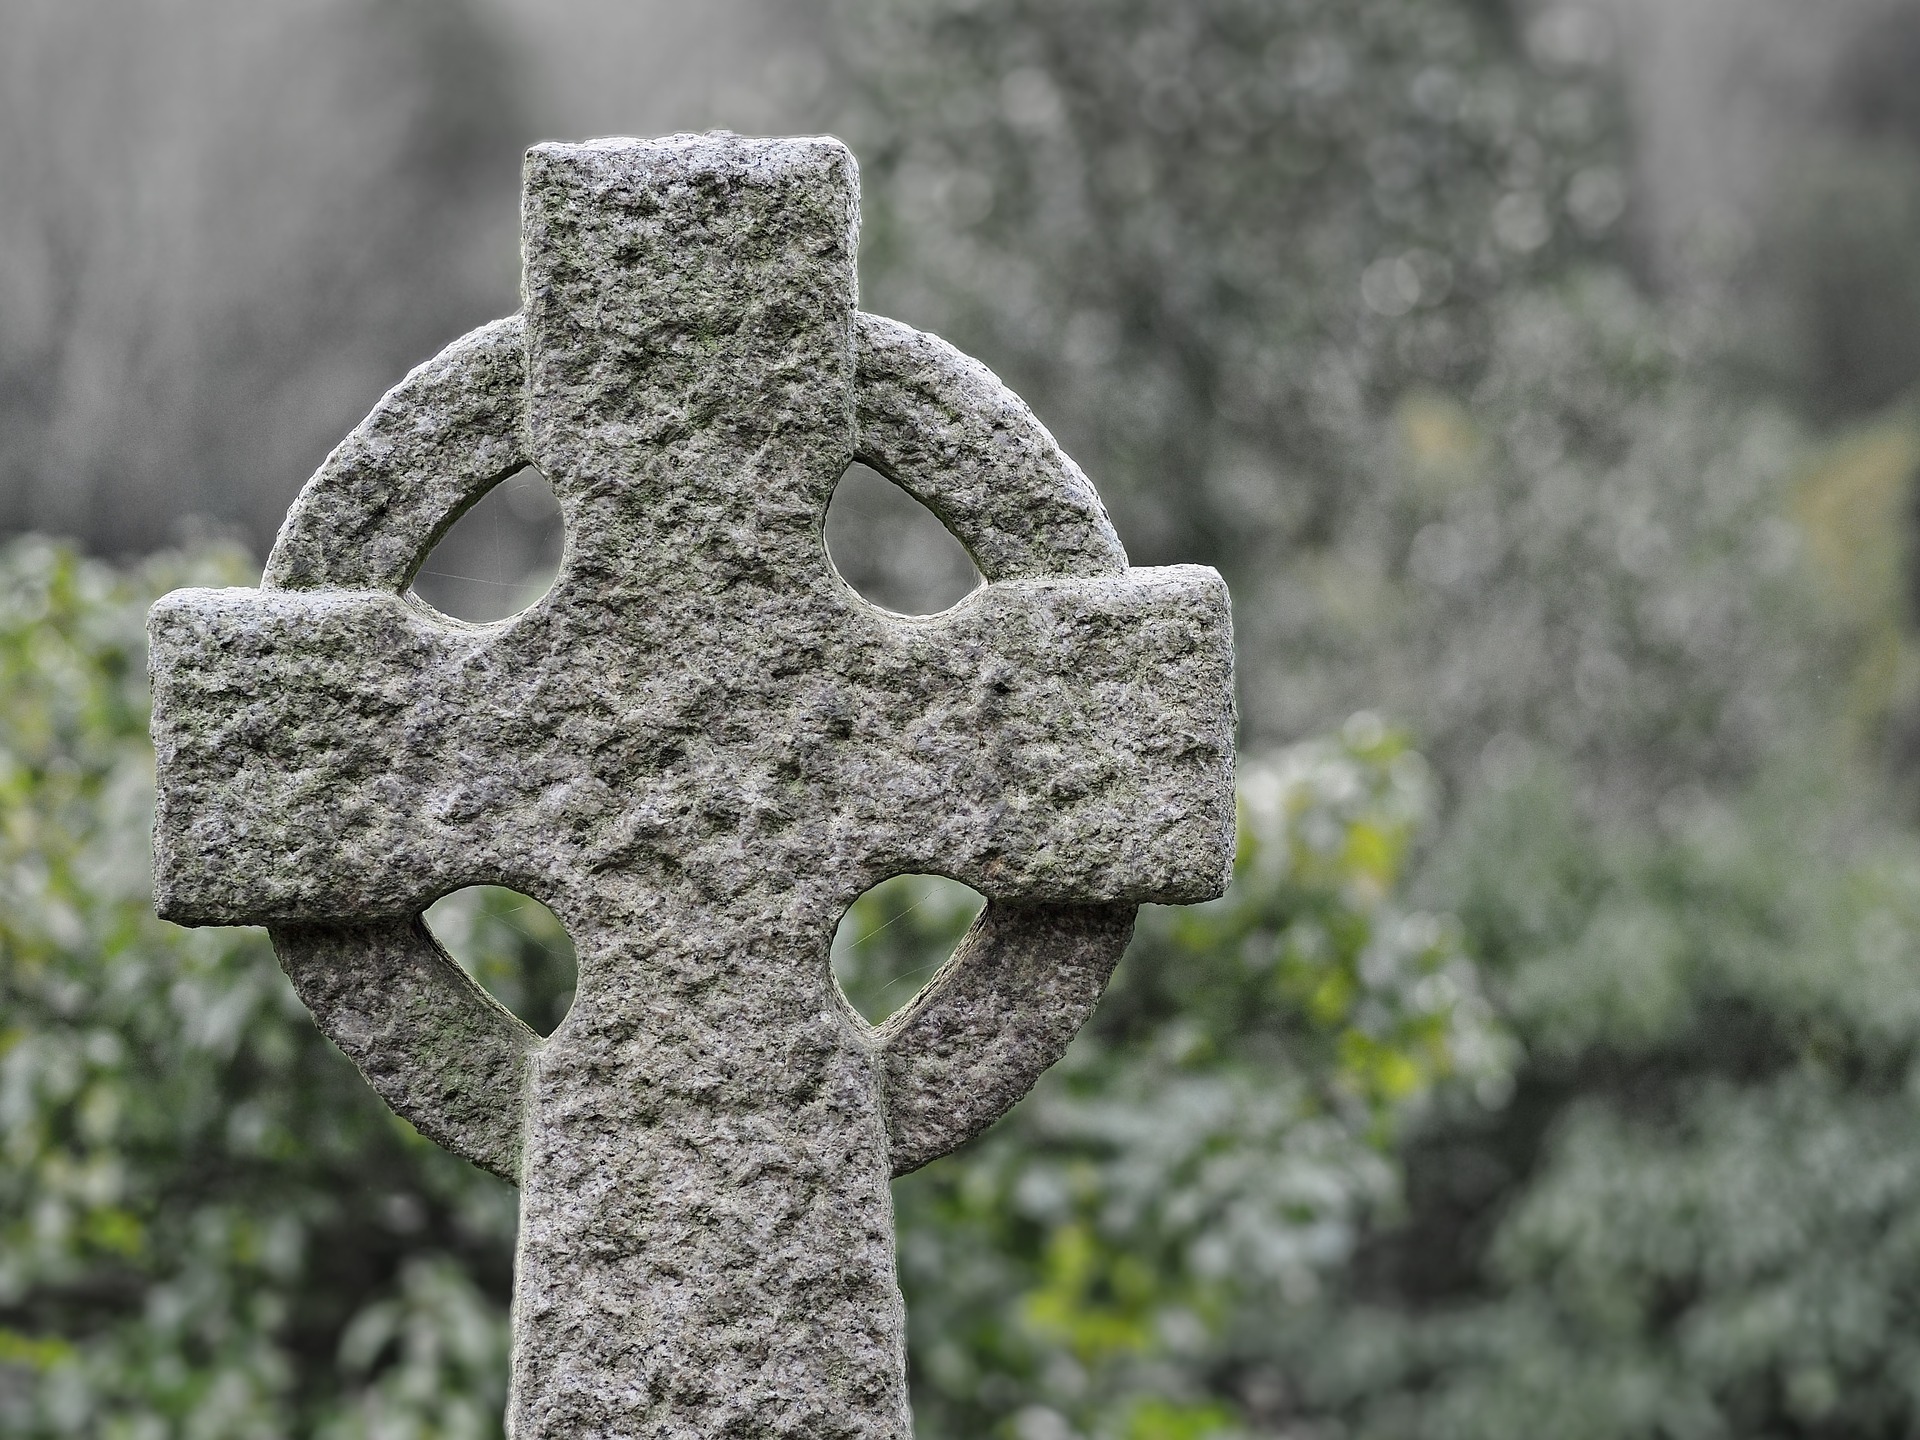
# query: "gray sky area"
{"points": [[1721, 90], [226, 227], [605, 67]]}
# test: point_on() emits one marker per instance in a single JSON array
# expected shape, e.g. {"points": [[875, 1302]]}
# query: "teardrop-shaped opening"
{"points": [[895, 936], [892, 549], [514, 946], [499, 557]]}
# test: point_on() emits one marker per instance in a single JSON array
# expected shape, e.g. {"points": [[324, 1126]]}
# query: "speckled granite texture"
{"points": [[698, 749]]}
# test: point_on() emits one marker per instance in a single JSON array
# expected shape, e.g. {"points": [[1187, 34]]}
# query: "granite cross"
{"points": [[698, 748]]}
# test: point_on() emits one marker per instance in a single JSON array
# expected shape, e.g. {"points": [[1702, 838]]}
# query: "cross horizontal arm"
{"points": [[1050, 740], [347, 754]]}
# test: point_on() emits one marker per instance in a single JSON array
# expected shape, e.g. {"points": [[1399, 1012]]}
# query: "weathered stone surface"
{"points": [[437, 1047], [1020, 985], [698, 749], [351, 755]]}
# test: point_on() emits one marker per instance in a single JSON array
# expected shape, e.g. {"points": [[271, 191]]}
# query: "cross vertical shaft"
{"points": [[706, 1232]]}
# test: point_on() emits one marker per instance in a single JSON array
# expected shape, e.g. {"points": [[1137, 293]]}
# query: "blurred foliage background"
{"points": [[1542, 376]]}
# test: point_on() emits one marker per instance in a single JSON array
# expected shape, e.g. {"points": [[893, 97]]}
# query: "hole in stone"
{"points": [[499, 557], [895, 936], [892, 549], [514, 946]]}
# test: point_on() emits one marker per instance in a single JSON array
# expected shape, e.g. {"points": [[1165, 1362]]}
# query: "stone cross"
{"points": [[698, 749]]}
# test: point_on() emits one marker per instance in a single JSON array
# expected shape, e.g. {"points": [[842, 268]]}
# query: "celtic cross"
{"points": [[698, 748]]}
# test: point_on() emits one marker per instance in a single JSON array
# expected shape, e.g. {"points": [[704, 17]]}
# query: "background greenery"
{"points": [[212, 1228], [1552, 1067]]}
